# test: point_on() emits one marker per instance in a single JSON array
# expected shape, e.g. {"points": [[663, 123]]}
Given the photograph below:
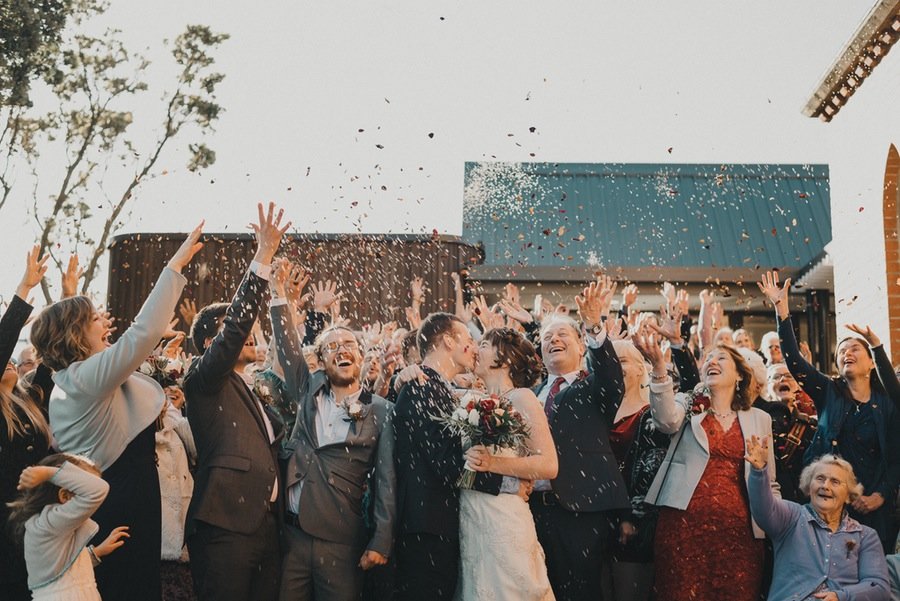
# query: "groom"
{"points": [[429, 461]]}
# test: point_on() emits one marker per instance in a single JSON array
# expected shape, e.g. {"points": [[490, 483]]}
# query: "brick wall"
{"points": [[891, 219]]}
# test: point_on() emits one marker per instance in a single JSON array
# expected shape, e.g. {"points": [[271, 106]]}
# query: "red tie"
{"points": [[551, 396]]}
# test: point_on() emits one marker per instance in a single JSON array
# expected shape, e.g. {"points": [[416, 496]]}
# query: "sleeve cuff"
{"points": [[277, 302], [660, 387], [263, 271], [510, 486], [595, 342]]}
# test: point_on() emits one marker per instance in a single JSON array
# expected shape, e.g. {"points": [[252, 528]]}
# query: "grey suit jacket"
{"points": [[335, 476], [688, 452]]}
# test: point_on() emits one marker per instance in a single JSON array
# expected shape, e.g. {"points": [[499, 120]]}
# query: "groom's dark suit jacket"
{"points": [[236, 463], [429, 461], [589, 477]]}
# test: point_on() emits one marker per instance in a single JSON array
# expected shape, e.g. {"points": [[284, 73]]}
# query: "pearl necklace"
{"points": [[720, 415]]}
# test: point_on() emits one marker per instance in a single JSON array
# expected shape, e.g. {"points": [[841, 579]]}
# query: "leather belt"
{"points": [[546, 498]]}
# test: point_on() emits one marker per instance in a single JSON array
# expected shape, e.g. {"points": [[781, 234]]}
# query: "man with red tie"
{"points": [[572, 512]]}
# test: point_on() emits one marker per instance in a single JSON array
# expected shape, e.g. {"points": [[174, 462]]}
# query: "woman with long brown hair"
{"points": [[103, 409], [24, 433], [701, 488]]}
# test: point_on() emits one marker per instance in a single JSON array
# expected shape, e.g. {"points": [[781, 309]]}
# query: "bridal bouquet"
{"points": [[166, 371], [488, 420]]}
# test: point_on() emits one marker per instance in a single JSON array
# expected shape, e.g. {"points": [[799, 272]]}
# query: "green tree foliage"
{"points": [[92, 82]]}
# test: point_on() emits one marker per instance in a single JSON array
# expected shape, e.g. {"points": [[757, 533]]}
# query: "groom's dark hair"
{"points": [[433, 327]]}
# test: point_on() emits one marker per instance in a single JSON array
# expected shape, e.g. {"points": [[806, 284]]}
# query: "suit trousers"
{"points": [[575, 544], [313, 568], [230, 566], [427, 567]]}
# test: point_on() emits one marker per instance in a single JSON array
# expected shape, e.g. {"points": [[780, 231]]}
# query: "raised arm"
{"points": [[287, 341], [103, 372], [541, 464], [668, 413], [209, 371], [88, 492], [810, 379], [18, 311], [773, 515], [607, 379], [883, 366]]}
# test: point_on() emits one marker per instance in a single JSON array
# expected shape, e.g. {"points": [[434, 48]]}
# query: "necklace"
{"points": [[720, 415]]}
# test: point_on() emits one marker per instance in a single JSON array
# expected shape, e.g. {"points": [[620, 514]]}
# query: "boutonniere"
{"points": [[851, 544], [262, 390], [354, 411]]}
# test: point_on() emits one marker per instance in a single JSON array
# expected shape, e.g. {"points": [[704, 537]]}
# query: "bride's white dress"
{"points": [[500, 557]]}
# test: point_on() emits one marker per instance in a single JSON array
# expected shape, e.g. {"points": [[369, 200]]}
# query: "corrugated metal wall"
{"points": [[373, 270]]}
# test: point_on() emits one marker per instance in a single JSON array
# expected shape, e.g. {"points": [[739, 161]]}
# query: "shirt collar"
{"points": [[848, 524]]}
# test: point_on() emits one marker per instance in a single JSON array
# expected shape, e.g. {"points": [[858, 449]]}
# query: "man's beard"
{"points": [[337, 379]]}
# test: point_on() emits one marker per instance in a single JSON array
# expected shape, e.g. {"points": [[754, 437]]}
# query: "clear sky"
{"points": [[311, 89]]}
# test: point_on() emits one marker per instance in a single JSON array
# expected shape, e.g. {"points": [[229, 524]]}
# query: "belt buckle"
{"points": [[547, 498]]}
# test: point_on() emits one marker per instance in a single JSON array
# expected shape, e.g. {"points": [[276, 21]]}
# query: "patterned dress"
{"points": [[708, 551]]}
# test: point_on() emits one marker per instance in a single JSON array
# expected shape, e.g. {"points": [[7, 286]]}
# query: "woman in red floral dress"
{"points": [[707, 546]]}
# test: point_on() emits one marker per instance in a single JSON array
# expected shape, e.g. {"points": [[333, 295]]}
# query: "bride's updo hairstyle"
{"points": [[515, 352]]}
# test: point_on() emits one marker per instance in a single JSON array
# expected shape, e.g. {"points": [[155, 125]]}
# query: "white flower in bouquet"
{"points": [[460, 414], [474, 417], [146, 368]]}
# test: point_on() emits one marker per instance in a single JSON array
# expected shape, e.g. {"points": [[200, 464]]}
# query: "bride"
{"points": [[500, 556]]}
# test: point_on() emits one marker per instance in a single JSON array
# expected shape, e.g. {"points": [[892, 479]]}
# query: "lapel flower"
{"points": [[262, 390], [354, 410], [851, 544]]}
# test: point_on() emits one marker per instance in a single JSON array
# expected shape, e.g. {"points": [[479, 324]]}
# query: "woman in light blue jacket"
{"points": [[701, 485], [103, 409], [820, 551]]}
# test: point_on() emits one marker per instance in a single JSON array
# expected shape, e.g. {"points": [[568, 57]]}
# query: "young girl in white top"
{"points": [[52, 517]]}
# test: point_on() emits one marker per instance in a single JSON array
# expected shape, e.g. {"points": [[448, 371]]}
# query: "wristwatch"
{"points": [[595, 330]]}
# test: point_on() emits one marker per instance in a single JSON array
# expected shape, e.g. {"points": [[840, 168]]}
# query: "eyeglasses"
{"points": [[333, 347]]}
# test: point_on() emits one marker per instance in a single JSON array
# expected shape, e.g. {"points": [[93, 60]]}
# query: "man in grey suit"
{"points": [[341, 435]]}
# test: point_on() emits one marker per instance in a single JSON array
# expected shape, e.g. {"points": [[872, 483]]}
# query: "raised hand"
{"points": [[188, 311], [668, 293], [172, 349], [866, 332], [325, 294], [268, 234], [296, 283], [511, 293], [716, 313], [70, 277], [594, 301], [777, 295], [278, 281], [515, 311], [34, 476], [614, 329], [682, 302], [629, 295], [650, 349], [669, 326], [187, 250], [489, 320], [35, 268], [414, 317], [757, 453], [417, 290]]}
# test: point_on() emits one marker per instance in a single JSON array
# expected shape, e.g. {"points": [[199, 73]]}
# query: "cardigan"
{"points": [[100, 404], [808, 554], [688, 453], [56, 536]]}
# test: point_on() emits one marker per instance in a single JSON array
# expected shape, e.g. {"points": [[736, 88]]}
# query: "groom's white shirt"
{"points": [[331, 427]]}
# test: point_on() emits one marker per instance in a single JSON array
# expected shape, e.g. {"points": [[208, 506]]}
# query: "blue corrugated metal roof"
{"points": [[643, 215]]}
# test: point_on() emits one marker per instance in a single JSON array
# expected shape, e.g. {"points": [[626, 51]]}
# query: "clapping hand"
{"points": [[757, 453]]}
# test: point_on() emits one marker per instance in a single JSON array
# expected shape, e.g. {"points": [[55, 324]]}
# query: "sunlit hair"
{"points": [[758, 368], [809, 472], [206, 324], [18, 410], [559, 318], [625, 348], [724, 336], [32, 501], [737, 334], [742, 400], [432, 328], [59, 334], [767, 339], [324, 333], [517, 354]]}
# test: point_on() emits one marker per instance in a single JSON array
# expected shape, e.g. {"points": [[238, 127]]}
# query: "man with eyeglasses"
{"points": [[342, 435], [25, 363]]}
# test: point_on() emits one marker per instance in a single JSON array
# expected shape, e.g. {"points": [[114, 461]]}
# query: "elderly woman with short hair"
{"points": [[819, 536]]}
